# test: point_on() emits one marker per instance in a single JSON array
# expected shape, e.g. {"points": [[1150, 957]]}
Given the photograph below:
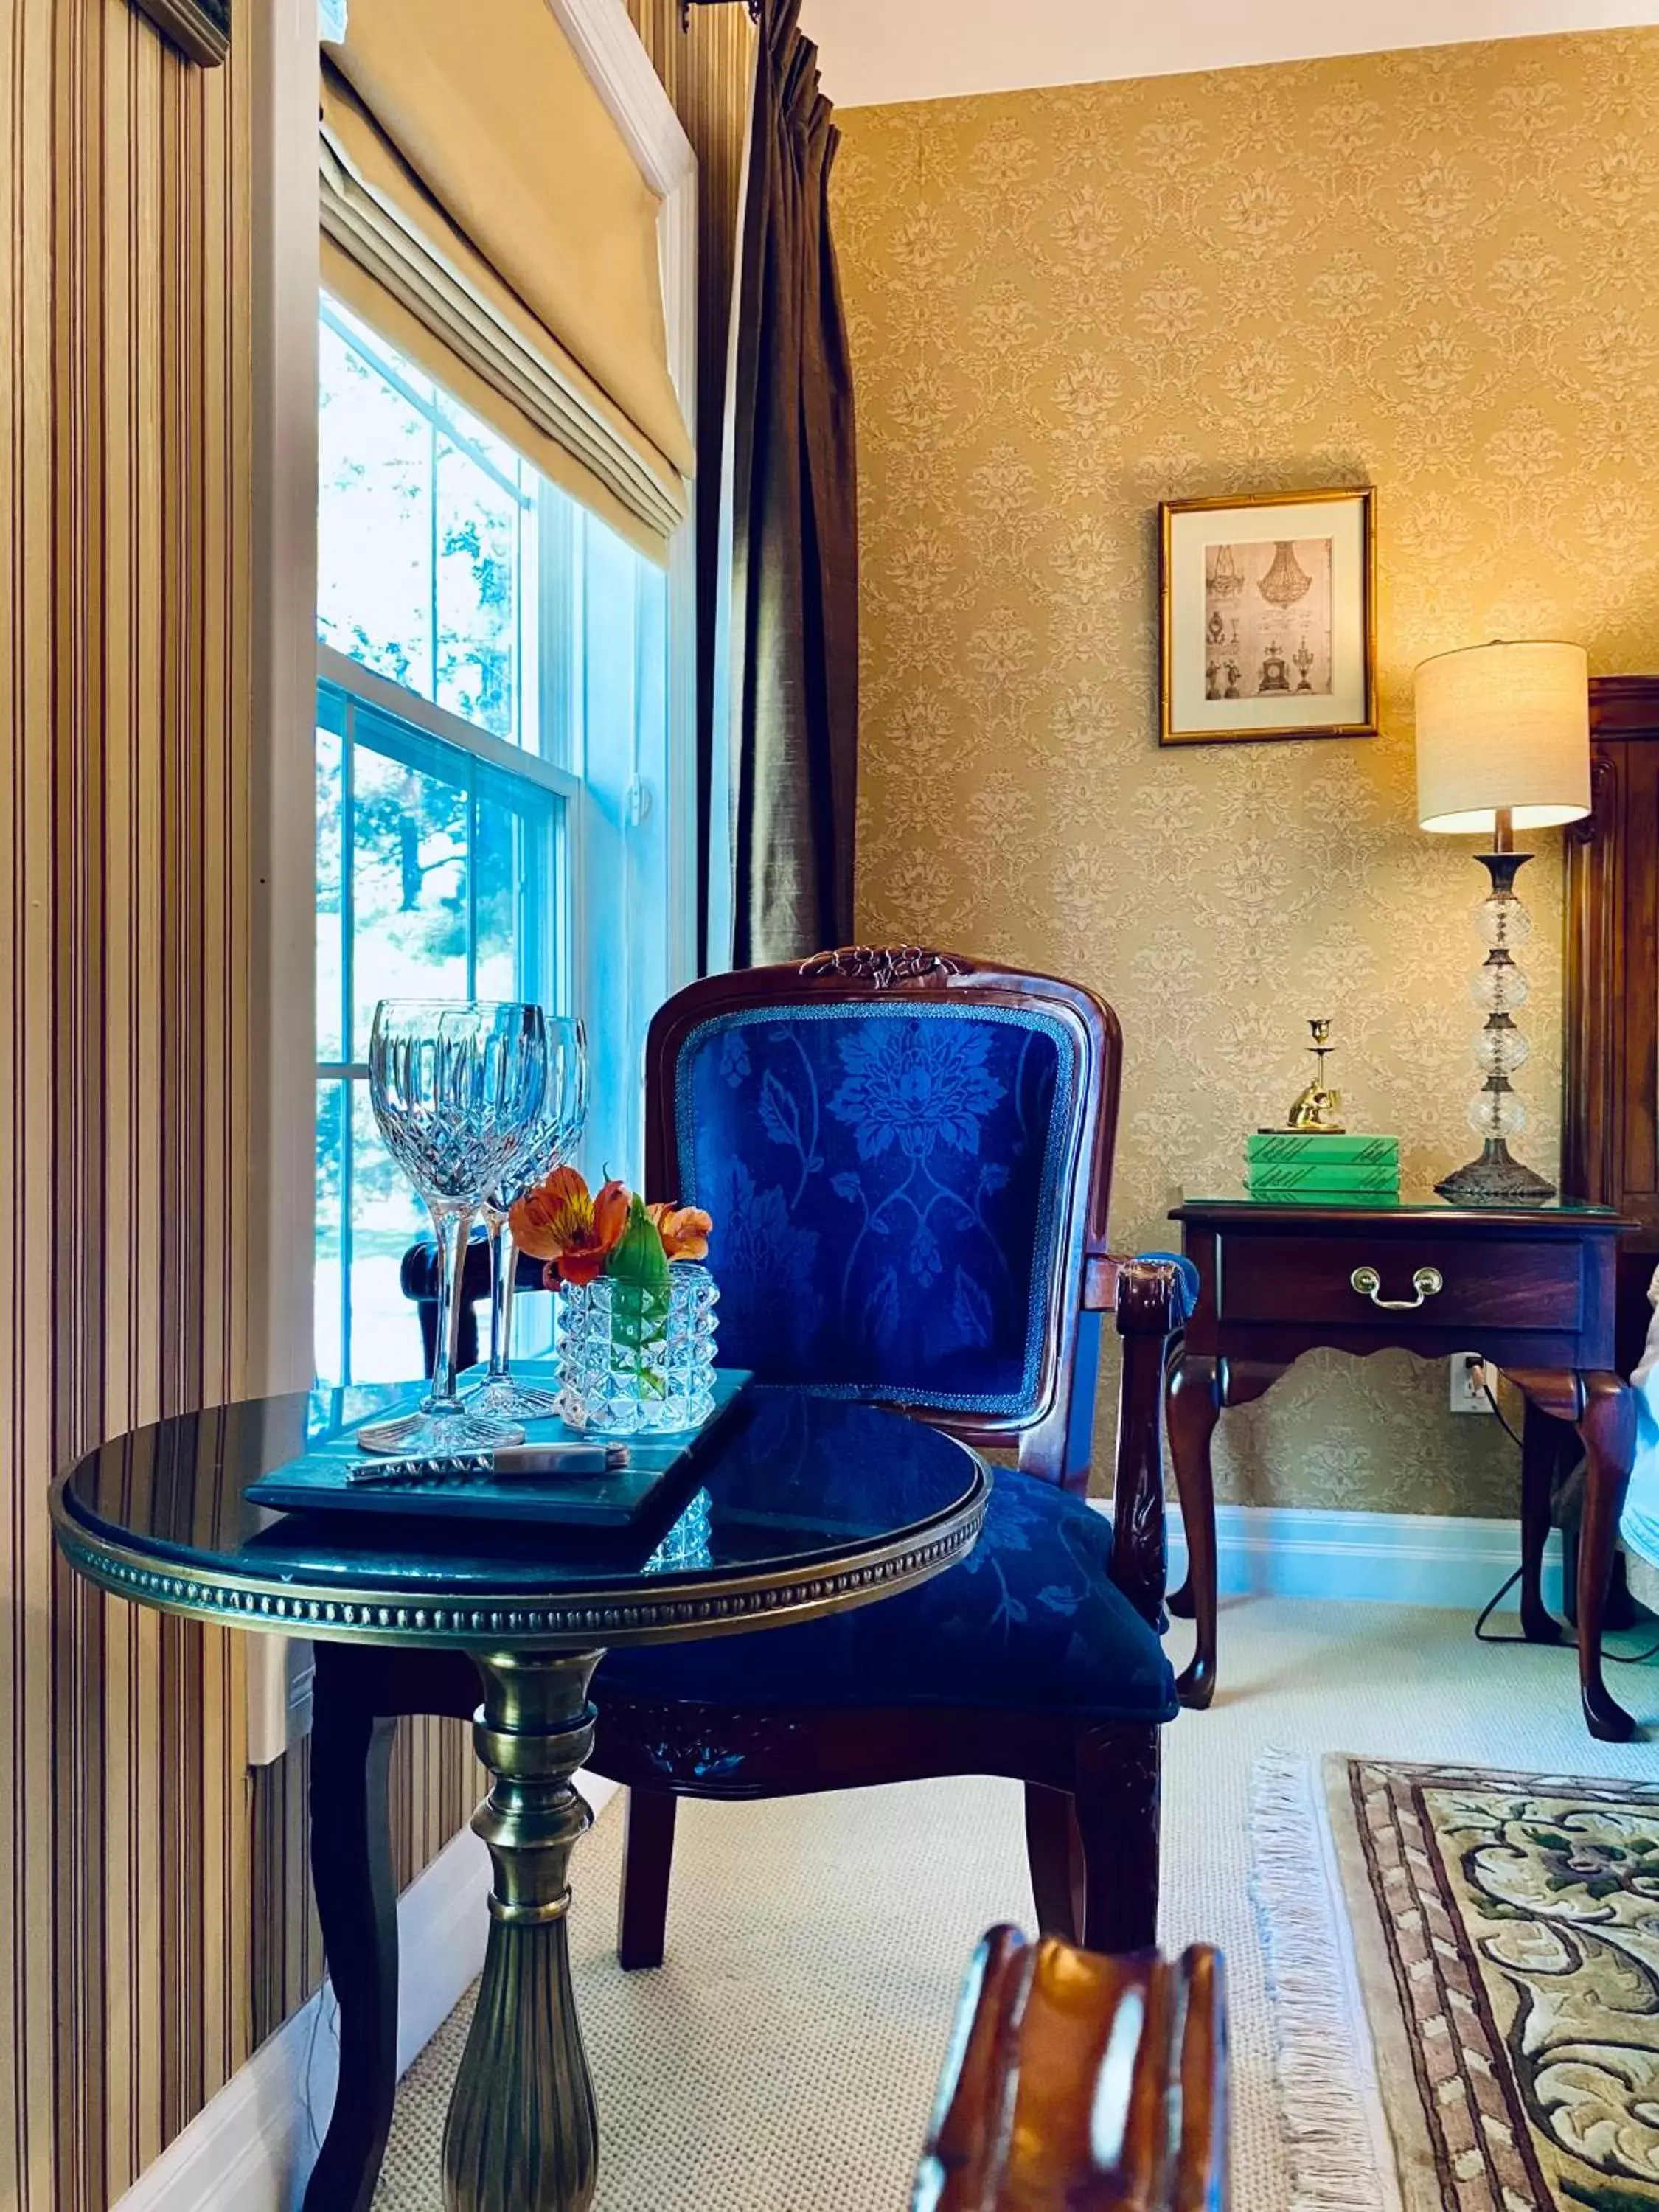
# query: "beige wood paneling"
{"points": [[124, 833], [158, 1918]]}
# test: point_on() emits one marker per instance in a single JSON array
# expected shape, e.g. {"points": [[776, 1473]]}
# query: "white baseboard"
{"points": [[1388, 1559], [252, 2146]]}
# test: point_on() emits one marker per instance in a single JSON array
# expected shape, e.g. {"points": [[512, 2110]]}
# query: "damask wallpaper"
{"points": [[1430, 270]]}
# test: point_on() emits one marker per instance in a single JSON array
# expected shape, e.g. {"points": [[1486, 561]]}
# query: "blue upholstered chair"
{"points": [[907, 1158]]}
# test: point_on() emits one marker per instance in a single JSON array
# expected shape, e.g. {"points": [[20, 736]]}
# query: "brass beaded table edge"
{"points": [[370, 1615]]}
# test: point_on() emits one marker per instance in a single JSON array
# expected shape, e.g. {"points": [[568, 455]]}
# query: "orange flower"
{"points": [[683, 1230], [559, 1221]]}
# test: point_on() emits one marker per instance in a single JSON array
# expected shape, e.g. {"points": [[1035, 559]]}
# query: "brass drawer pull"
{"points": [[1426, 1282]]}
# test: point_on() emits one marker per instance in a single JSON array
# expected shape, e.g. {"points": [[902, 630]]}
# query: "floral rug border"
{"points": [[1501, 1930]]}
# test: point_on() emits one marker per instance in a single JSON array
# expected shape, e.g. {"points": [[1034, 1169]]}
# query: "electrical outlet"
{"points": [[1468, 1372]]}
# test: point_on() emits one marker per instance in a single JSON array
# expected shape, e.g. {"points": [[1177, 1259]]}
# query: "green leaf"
{"points": [[637, 1259], [638, 1273]]}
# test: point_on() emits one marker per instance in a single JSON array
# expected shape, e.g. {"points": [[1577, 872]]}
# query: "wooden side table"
{"points": [[1530, 1289]]}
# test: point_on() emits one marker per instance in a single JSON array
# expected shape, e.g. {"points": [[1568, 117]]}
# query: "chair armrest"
{"points": [[418, 1279], [1103, 1272], [1077, 2080], [1150, 1297], [418, 1274]]}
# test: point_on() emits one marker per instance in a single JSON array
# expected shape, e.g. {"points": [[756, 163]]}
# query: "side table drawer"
{"points": [[1514, 1282]]}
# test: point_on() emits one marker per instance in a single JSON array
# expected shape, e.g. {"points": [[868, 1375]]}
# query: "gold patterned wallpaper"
{"points": [[1430, 271]]}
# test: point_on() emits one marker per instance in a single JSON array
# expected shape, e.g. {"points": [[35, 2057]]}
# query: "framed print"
{"points": [[1268, 617], [202, 28]]}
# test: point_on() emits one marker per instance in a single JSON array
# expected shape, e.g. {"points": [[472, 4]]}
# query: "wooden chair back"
{"points": [[1052, 1429]]}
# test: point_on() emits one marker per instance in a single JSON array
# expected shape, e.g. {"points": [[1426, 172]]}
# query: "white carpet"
{"points": [[784, 2059]]}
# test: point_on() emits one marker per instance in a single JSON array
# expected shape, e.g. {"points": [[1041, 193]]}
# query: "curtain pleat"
{"points": [[792, 480]]}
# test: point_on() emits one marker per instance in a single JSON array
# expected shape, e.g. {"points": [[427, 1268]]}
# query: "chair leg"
{"points": [[1050, 1851], [1117, 1819], [647, 1859], [357, 1906]]}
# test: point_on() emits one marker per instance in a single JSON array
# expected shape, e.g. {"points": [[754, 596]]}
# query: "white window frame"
{"points": [[663, 795], [559, 956], [277, 1269]]}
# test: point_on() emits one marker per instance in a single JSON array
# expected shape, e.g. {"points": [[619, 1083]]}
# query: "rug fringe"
{"points": [[1319, 2038]]}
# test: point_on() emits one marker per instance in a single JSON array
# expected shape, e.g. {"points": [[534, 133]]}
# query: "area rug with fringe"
{"points": [[1464, 1968]]}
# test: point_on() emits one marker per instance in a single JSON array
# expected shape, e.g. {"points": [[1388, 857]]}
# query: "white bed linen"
{"points": [[1640, 1527]]}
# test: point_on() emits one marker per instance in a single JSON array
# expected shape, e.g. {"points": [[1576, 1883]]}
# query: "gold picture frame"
{"points": [[1270, 629]]}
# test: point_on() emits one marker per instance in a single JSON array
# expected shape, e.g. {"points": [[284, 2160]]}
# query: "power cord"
{"points": [[1498, 1412], [1569, 1642], [327, 2004]]}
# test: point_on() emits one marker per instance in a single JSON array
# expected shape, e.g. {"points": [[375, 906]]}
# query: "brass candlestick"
{"points": [[1318, 1110]]}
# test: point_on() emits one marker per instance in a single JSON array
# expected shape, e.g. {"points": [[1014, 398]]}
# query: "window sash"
{"points": [[337, 671], [353, 704], [447, 437], [594, 629]]}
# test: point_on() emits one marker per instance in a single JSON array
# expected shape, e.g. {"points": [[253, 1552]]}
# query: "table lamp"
{"points": [[1503, 743]]}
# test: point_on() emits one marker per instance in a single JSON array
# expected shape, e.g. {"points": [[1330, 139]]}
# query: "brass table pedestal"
{"points": [[522, 2134]]}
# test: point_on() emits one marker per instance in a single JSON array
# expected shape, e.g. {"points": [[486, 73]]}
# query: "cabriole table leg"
{"points": [[1608, 1427], [522, 2134]]}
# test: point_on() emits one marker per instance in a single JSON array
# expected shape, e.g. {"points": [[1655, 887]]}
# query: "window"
{"points": [[427, 540], [491, 718]]}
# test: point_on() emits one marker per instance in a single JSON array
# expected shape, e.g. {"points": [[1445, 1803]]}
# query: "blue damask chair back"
{"points": [[907, 1158]]}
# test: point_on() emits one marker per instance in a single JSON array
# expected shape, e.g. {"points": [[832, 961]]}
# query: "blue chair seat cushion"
{"points": [[1030, 1621]]}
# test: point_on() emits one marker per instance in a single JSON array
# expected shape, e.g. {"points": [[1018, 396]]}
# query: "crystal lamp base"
{"points": [[1495, 1178]]}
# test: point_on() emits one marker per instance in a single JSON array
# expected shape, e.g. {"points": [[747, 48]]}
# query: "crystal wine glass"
{"points": [[563, 1114], [457, 1091]]}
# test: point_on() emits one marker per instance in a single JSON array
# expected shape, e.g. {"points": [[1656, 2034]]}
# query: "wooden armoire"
{"points": [[1610, 1075]]}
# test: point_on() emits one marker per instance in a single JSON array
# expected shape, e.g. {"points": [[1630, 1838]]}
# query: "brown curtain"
{"points": [[794, 528]]}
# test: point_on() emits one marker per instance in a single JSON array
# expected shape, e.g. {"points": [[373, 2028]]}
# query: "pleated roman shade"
{"points": [[480, 210]]}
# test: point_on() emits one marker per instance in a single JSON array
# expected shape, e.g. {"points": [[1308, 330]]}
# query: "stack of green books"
{"points": [[1290, 1164]]}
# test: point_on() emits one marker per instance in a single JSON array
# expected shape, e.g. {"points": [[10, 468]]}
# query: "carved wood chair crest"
{"points": [[884, 965]]}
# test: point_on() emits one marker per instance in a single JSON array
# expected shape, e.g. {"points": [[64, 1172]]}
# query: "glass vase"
{"points": [[631, 1359]]}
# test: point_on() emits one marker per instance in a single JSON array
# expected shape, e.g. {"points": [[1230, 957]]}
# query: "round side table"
{"points": [[801, 1505]]}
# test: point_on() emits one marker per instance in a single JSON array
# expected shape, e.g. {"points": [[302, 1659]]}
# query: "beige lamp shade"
{"points": [[1503, 726]]}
